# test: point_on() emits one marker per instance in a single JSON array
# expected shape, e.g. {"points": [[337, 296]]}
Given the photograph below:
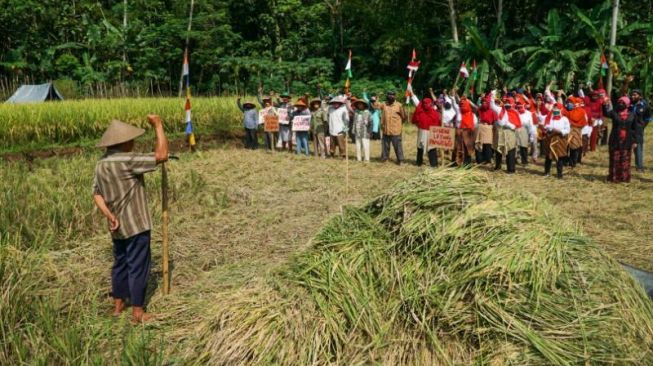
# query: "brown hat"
{"points": [[316, 101], [119, 132], [300, 103], [361, 101], [249, 103]]}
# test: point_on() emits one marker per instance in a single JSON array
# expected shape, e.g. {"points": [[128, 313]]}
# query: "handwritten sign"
{"points": [[271, 123], [441, 137], [283, 116], [301, 123], [261, 116]]}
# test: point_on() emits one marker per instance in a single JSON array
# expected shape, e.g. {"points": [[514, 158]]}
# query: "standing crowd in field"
{"points": [[511, 126]]}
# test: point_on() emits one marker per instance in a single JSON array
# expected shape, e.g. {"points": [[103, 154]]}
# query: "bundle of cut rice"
{"points": [[443, 269]]}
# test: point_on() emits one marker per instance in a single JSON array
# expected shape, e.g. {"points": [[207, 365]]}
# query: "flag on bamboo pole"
{"points": [[348, 66], [412, 67], [474, 76], [349, 75], [187, 107], [463, 71], [604, 65]]}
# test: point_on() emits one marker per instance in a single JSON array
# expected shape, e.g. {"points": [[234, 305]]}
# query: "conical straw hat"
{"points": [[119, 132]]}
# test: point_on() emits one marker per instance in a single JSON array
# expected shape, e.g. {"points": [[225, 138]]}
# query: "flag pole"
{"points": [[190, 23], [164, 235]]}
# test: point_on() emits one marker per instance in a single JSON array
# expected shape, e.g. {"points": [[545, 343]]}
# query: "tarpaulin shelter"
{"points": [[35, 94]]}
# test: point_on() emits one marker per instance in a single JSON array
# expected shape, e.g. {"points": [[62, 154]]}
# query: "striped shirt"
{"points": [[119, 180]]}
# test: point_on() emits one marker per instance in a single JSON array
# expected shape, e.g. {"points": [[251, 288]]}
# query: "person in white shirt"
{"points": [[338, 117], [527, 133], [557, 129]]}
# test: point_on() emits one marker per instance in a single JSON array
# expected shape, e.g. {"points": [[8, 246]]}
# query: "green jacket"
{"points": [[319, 121]]}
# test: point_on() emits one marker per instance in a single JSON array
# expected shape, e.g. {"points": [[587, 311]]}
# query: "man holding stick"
{"points": [[119, 193]]}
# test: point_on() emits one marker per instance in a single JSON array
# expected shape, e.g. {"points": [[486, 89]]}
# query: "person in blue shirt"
{"points": [[642, 111], [376, 116], [250, 122]]}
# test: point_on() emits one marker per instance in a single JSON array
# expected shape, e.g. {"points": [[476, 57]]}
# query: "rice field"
{"points": [[33, 126], [238, 218]]}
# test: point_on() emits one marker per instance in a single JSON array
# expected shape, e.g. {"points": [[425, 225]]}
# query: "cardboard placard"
{"points": [[283, 116], [261, 116], [301, 123], [442, 137], [271, 123]]}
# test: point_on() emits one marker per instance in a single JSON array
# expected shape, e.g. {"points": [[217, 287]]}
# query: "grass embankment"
{"points": [[236, 216], [26, 127]]}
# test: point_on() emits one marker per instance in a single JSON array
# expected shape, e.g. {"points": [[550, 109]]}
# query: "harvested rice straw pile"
{"points": [[444, 269]]}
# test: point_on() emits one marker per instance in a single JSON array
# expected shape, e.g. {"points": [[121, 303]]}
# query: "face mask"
{"points": [[556, 113], [507, 106], [621, 107], [569, 106], [447, 105]]}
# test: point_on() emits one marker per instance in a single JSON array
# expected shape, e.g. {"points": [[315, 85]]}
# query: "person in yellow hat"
{"points": [[119, 193]]}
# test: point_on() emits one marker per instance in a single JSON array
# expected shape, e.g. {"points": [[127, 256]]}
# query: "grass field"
{"points": [[236, 216]]}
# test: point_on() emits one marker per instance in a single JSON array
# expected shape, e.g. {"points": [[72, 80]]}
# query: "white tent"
{"points": [[35, 94]]}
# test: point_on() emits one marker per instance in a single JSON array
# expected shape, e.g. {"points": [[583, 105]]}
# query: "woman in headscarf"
{"points": [[578, 120], [555, 143], [465, 128], [425, 117], [505, 141], [487, 117], [621, 140]]}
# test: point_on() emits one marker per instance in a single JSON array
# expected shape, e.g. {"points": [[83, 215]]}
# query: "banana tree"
{"points": [[549, 53]]}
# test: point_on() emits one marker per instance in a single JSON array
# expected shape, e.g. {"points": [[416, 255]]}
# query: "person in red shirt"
{"points": [[594, 110], [487, 117], [578, 120], [425, 117], [465, 129]]}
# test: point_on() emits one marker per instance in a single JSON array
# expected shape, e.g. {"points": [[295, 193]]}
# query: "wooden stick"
{"points": [[164, 234]]}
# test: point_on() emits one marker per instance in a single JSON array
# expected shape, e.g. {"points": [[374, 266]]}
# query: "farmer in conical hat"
{"points": [[119, 193], [268, 110], [285, 110], [300, 109], [362, 129], [338, 118], [318, 127], [250, 122]]}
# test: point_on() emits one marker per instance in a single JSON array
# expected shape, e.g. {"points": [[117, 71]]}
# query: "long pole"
{"points": [[164, 234], [190, 23], [613, 41]]}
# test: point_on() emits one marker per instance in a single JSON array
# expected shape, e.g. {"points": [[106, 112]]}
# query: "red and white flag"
{"points": [[463, 71]]}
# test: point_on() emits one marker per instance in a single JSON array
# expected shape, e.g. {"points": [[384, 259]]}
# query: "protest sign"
{"points": [[271, 123], [301, 123], [441, 137]]}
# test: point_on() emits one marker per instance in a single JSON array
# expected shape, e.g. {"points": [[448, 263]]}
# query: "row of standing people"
{"points": [[558, 127]]}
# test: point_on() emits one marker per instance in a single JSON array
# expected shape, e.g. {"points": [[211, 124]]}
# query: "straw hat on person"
{"points": [[339, 99], [316, 101], [249, 103], [300, 103], [361, 101], [119, 132]]}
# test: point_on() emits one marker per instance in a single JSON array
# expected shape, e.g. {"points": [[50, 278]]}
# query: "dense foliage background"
{"points": [[235, 46]]}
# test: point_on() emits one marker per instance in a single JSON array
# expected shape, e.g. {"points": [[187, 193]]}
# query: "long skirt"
{"points": [[522, 137], [555, 146], [575, 138], [464, 146], [619, 170], [504, 140]]}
